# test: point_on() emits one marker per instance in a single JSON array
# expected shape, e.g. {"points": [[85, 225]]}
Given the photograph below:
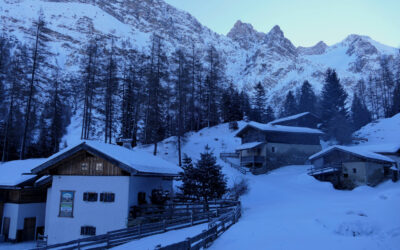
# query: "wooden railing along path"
{"points": [[118, 237], [215, 228], [225, 157]]}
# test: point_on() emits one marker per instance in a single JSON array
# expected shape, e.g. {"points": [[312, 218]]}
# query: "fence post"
{"points": [[191, 218], [79, 244], [164, 225], [140, 230], [188, 245], [108, 240]]}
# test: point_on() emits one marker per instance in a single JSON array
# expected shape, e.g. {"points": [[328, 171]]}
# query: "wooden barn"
{"points": [[22, 201], [94, 185], [348, 167]]}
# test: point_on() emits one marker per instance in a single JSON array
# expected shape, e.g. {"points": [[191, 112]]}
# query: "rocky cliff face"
{"points": [[251, 56]]}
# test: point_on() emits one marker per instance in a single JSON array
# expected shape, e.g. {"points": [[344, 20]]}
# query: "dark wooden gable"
{"points": [[85, 163]]}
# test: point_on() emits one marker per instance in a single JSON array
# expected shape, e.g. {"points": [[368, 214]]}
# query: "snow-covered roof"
{"points": [[249, 145], [134, 161], [280, 128], [381, 148], [288, 118], [358, 151], [12, 173]]}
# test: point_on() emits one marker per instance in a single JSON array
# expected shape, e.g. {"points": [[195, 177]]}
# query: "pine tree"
{"points": [[205, 181], [359, 113], [289, 106], [259, 103], [396, 99], [188, 186], [333, 106], [270, 115], [37, 60], [307, 100]]}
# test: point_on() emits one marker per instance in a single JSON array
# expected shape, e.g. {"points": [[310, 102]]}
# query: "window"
{"points": [[88, 230], [354, 170], [89, 196], [273, 149], [84, 166], [99, 166], [107, 197], [345, 175], [66, 203]]}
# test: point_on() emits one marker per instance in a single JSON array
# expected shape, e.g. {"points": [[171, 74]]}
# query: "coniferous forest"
{"points": [[147, 96]]}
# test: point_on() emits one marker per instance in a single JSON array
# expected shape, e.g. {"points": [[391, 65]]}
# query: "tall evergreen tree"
{"points": [[396, 99], [289, 106], [359, 113], [307, 99], [270, 115], [333, 105], [37, 61], [259, 103]]}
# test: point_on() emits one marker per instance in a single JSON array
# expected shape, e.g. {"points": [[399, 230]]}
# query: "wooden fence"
{"points": [[205, 238], [225, 157], [118, 237]]}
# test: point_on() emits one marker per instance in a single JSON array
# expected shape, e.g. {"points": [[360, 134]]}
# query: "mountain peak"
{"points": [[276, 31], [245, 34]]}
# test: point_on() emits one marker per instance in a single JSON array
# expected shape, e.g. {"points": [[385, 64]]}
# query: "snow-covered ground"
{"points": [[18, 246], [287, 209], [149, 243]]}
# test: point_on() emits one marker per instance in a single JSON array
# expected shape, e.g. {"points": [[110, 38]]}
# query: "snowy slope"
{"points": [[383, 131], [251, 56], [288, 209]]}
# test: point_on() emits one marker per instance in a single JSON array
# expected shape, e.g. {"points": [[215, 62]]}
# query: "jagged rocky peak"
{"points": [[245, 34], [359, 45], [276, 40], [317, 49]]}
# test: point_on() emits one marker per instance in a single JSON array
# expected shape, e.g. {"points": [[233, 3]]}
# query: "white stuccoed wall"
{"points": [[104, 216], [18, 212]]}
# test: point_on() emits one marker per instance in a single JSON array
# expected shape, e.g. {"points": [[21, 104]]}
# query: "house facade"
{"points": [[349, 167], [265, 146], [94, 185], [22, 201]]}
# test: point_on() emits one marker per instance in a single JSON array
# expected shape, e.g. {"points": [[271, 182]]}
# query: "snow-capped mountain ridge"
{"points": [[251, 56]]}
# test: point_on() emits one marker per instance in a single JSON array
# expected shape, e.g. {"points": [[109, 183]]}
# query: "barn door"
{"points": [[29, 229], [6, 227]]}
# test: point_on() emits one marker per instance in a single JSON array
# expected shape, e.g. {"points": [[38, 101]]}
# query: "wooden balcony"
{"points": [[251, 159]]}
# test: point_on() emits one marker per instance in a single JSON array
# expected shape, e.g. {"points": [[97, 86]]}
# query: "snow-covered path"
{"points": [[287, 209]]}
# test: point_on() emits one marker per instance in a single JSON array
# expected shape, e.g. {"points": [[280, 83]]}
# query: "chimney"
{"points": [[124, 142]]}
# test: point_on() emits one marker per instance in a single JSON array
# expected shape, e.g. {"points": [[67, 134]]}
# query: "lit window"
{"points": [[88, 230], [84, 166], [99, 166]]}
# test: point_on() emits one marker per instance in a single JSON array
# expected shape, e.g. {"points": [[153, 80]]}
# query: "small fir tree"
{"points": [[204, 181]]}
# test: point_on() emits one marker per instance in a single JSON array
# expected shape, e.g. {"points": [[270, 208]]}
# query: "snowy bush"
{"points": [[240, 187]]}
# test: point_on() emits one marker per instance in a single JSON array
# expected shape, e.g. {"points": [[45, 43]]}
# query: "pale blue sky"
{"points": [[303, 22]]}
